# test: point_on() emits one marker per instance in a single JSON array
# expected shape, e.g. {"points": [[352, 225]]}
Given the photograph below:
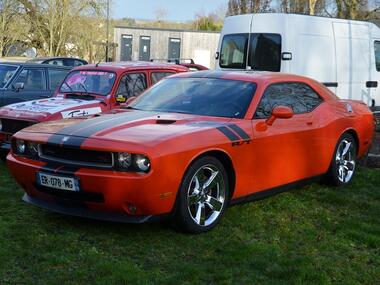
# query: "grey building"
{"points": [[152, 43]]}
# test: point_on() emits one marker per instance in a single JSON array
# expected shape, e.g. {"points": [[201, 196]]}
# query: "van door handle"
{"points": [[371, 84], [309, 123]]}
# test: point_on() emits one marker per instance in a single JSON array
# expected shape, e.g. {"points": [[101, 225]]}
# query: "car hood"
{"points": [[51, 108], [126, 126]]}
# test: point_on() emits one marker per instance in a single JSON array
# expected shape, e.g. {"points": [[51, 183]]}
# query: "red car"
{"points": [[192, 145], [87, 90]]}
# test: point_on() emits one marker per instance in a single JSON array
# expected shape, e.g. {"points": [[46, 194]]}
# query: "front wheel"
{"points": [[203, 196], [343, 164]]}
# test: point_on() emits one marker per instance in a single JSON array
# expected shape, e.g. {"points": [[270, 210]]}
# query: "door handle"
{"points": [[310, 123], [371, 84]]}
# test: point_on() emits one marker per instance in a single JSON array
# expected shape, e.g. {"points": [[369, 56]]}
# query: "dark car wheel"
{"points": [[202, 197], [343, 164]]}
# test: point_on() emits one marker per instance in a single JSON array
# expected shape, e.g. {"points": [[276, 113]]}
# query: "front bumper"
{"points": [[109, 193], [62, 206]]}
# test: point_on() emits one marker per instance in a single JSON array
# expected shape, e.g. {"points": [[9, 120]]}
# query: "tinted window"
{"points": [[58, 62], [234, 50], [132, 84], [33, 79], [6, 74], [89, 81], [298, 96], [199, 96], [78, 62], [265, 52], [377, 55], [157, 76], [56, 77]]}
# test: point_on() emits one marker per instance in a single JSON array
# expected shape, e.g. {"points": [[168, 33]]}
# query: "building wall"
{"points": [[200, 46]]}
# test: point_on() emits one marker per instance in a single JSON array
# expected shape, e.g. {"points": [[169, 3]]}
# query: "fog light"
{"points": [[20, 146], [132, 208], [142, 162], [33, 148], [124, 159]]}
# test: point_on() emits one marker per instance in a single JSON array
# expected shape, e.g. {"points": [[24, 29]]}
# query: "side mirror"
{"points": [[280, 112], [18, 86]]}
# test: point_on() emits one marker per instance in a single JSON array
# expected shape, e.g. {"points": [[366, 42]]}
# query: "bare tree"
{"points": [[12, 28], [53, 21]]}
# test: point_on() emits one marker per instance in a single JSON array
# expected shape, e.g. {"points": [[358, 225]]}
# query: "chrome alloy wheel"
{"points": [[206, 195], [345, 161]]}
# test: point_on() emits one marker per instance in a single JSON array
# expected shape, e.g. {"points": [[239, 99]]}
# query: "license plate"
{"points": [[58, 182]]}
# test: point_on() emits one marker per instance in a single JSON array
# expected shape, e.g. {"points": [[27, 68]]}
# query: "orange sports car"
{"points": [[192, 145]]}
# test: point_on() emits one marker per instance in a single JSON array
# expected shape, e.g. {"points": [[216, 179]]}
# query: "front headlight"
{"points": [[124, 159], [20, 146], [142, 162]]}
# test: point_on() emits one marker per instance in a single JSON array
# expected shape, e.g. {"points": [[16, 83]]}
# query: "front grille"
{"points": [[13, 126], [74, 156]]}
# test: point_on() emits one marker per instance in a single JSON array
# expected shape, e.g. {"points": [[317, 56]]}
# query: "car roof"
{"points": [[32, 64], [132, 65], [249, 76], [53, 57]]}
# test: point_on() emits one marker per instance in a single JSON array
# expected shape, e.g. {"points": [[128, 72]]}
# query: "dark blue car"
{"points": [[21, 82]]}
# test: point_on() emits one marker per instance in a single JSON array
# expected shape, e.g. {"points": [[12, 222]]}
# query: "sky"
{"points": [[174, 10]]}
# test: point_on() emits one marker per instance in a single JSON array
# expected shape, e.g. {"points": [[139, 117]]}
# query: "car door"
{"points": [[286, 151], [34, 86], [132, 84]]}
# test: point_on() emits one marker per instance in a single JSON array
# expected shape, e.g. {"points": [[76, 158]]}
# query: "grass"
{"points": [[312, 235]]}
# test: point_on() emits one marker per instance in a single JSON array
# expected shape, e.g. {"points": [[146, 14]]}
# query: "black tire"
{"points": [[333, 176], [184, 218]]}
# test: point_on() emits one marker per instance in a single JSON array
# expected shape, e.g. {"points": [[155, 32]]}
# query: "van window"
{"points": [[234, 50], [298, 96], [377, 55], [132, 84], [265, 52]]}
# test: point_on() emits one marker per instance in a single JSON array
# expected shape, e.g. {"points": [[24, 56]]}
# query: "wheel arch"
{"points": [[354, 134]]}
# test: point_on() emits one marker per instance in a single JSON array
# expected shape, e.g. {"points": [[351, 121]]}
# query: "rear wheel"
{"points": [[343, 164], [203, 196]]}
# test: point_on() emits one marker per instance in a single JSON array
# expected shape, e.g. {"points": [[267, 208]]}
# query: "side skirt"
{"points": [[274, 191]]}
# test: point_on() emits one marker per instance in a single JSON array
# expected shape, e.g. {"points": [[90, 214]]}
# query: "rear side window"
{"points": [[58, 62], [298, 96], [377, 55], [56, 77], [157, 76], [132, 84], [33, 79], [234, 50], [265, 52]]}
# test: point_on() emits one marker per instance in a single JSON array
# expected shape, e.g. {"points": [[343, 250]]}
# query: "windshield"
{"points": [[6, 74], [92, 82], [198, 96]]}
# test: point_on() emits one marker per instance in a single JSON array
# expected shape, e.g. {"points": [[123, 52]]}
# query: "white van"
{"points": [[342, 54]]}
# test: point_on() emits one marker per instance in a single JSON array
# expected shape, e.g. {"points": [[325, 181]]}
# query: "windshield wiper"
{"points": [[129, 108]]}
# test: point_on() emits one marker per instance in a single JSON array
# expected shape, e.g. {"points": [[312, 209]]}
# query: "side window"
{"points": [[157, 76], [132, 85], [298, 96], [377, 55], [234, 50], [58, 62], [265, 52], [33, 79], [78, 63], [56, 77]]}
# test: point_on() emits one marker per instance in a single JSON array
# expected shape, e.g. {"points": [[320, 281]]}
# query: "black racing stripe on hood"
{"points": [[76, 134]]}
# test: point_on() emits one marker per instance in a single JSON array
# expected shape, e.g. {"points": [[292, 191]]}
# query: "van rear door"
{"points": [[354, 68], [374, 81]]}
